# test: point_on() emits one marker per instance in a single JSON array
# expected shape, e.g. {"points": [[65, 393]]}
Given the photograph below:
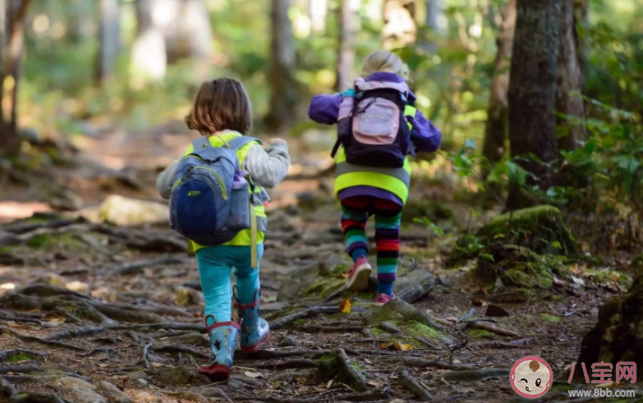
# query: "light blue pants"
{"points": [[215, 264]]}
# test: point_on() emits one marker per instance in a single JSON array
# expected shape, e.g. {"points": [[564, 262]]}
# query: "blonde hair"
{"points": [[385, 61], [219, 105]]}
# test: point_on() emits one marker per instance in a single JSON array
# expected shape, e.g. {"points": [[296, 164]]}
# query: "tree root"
{"points": [[356, 377], [163, 325], [414, 386], [282, 322], [512, 344], [137, 267], [77, 332], [40, 340], [19, 368], [179, 348], [330, 329], [107, 350], [492, 328], [146, 351], [475, 375], [424, 363], [17, 317], [374, 395], [407, 311], [276, 354], [4, 355], [290, 364]]}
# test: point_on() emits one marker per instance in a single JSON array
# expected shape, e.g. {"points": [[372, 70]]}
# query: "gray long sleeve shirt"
{"points": [[264, 167]]}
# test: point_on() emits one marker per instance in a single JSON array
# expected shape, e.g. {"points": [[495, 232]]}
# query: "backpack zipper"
{"points": [[216, 175]]}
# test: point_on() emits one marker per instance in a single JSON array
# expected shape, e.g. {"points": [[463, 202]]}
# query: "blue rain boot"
{"points": [[254, 330], [223, 341]]}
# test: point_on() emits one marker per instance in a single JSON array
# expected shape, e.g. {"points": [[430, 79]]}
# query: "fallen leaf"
{"points": [[397, 346], [477, 302], [253, 374], [578, 281], [377, 384], [345, 306], [329, 384]]}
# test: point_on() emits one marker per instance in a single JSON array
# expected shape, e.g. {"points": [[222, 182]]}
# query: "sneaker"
{"points": [[359, 274], [383, 299]]}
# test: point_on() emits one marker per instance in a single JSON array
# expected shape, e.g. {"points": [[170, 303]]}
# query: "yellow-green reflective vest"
{"points": [[243, 238], [394, 180]]}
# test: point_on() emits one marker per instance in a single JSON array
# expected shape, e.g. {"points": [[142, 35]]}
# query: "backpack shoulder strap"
{"points": [[201, 142], [238, 142]]}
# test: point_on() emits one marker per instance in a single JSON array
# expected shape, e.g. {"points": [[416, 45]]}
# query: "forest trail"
{"points": [[91, 312]]}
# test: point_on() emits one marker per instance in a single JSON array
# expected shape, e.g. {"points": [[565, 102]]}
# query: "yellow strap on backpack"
{"points": [[253, 237]]}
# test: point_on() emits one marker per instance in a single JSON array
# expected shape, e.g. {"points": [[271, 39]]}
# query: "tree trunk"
{"points": [[109, 36], [283, 98], [570, 81], [435, 15], [149, 58], [187, 29], [497, 126], [532, 94], [348, 15], [11, 48], [317, 10], [399, 26]]}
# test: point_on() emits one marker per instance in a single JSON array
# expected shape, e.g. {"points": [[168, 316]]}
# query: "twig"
{"points": [[414, 386], [408, 311], [424, 363], [282, 322], [358, 380]]}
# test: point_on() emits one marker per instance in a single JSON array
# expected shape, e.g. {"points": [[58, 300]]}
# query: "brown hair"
{"points": [[219, 105], [534, 366]]}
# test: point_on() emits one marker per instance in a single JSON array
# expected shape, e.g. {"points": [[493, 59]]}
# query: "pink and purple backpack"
{"points": [[371, 125]]}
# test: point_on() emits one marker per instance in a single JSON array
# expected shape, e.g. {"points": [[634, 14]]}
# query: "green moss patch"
{"points": [[421, 330], [515, 266], [480, 334], [549, 318]]}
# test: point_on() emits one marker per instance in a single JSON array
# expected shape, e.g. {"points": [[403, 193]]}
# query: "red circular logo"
{"points": [[531, 377]]}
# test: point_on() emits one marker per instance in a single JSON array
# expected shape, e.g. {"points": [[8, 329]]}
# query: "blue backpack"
{"points": [[210, 201]]}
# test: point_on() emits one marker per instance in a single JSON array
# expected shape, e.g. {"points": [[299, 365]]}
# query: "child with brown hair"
{"points": [[218, 202], [378, 126]]}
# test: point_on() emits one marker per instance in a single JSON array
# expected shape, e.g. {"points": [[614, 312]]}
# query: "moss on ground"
{"points": [[19, 357], [539, 228], [421, 330], [515, 266], [480, 334], [549, 318]]}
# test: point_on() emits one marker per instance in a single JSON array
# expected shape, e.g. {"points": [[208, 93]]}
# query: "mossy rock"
{"points": [[540, 229], [618, 335], [517, 266]]}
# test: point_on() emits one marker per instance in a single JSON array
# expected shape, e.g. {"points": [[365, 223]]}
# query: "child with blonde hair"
{"points": [[218, 202], [378, 126]]}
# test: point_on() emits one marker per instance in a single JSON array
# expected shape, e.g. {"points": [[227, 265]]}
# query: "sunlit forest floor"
{"points": [[88, 308]]}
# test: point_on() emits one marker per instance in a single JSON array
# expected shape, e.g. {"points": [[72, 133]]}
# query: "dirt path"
{"points": [[92, 313]]}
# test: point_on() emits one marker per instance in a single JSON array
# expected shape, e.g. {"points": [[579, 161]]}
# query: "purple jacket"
{"points": [[426, 137]]}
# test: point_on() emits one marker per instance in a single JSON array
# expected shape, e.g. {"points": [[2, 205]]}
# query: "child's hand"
{"points": [[277, 141]]}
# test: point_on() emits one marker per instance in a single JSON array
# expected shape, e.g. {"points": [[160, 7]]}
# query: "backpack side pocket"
{"points": [[239, 218]]}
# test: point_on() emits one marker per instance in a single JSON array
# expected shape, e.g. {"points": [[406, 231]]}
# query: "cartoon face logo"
{"points": [[531, 377]]}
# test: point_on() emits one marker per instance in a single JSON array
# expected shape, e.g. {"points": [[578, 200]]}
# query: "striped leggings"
{"points": [[355, 214]]}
